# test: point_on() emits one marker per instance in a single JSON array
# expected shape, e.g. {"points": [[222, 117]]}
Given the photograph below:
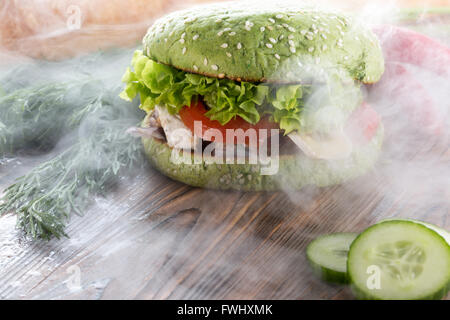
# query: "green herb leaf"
{"points": [[45, 198], [160, 84]]}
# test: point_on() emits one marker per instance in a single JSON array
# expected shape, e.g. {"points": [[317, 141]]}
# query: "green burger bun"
{"points": [[252, 41], [295, 170], [300, 66]]}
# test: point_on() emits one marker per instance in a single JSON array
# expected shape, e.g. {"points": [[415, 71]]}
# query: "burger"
{"points": [[284, 82]]}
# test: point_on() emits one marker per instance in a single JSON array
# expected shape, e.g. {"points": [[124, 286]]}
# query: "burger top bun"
{"points": [[266, 41]]}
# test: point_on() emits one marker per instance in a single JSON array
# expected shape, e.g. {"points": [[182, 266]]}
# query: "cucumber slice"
{"points": [[399, 259], [442, 232], [328, 256]]}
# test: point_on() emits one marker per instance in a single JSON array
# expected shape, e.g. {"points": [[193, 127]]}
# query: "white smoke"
{"points": [[119, 250]]}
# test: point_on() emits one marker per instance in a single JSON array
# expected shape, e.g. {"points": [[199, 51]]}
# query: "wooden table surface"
{"points": [[153, 238]]}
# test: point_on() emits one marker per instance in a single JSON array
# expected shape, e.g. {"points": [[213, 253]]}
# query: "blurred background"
{"points": [[58, 29]]}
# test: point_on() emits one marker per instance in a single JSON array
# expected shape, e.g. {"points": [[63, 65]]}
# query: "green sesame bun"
{"points": [[295, 170], [295, 49], [264, 42]]}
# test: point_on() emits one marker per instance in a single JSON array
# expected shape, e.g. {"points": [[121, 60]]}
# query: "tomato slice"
{"points": [[363, 123], [361, 126], [197, 110]]}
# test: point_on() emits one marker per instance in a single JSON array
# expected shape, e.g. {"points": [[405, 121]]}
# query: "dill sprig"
{"points": [[44, 198], [27, 116], [43, 102], [37, 116]]}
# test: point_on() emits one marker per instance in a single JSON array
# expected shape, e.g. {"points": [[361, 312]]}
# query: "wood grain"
{"points": [[154, 238]]}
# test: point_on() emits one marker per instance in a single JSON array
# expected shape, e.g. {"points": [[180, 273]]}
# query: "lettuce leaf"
{"points": [[159, 84]]}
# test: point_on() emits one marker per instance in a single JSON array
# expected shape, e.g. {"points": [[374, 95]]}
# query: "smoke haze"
{"points": [[131, 235]]}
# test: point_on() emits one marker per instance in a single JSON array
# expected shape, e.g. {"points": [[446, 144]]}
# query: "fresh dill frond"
{"points": [[37, 116], [74, 105], [27, 116], [44, 198]]}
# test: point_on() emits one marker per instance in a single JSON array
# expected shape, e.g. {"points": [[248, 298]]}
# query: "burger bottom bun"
{"points": [[294, 171]]}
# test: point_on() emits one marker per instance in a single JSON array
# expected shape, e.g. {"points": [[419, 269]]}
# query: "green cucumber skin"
{"points": [[364, 295], [442, 232], [329, 275], [361, 295], [324, 273]]}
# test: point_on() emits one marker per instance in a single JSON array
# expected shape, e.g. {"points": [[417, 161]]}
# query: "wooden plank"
{"points": [[154, 238]]}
